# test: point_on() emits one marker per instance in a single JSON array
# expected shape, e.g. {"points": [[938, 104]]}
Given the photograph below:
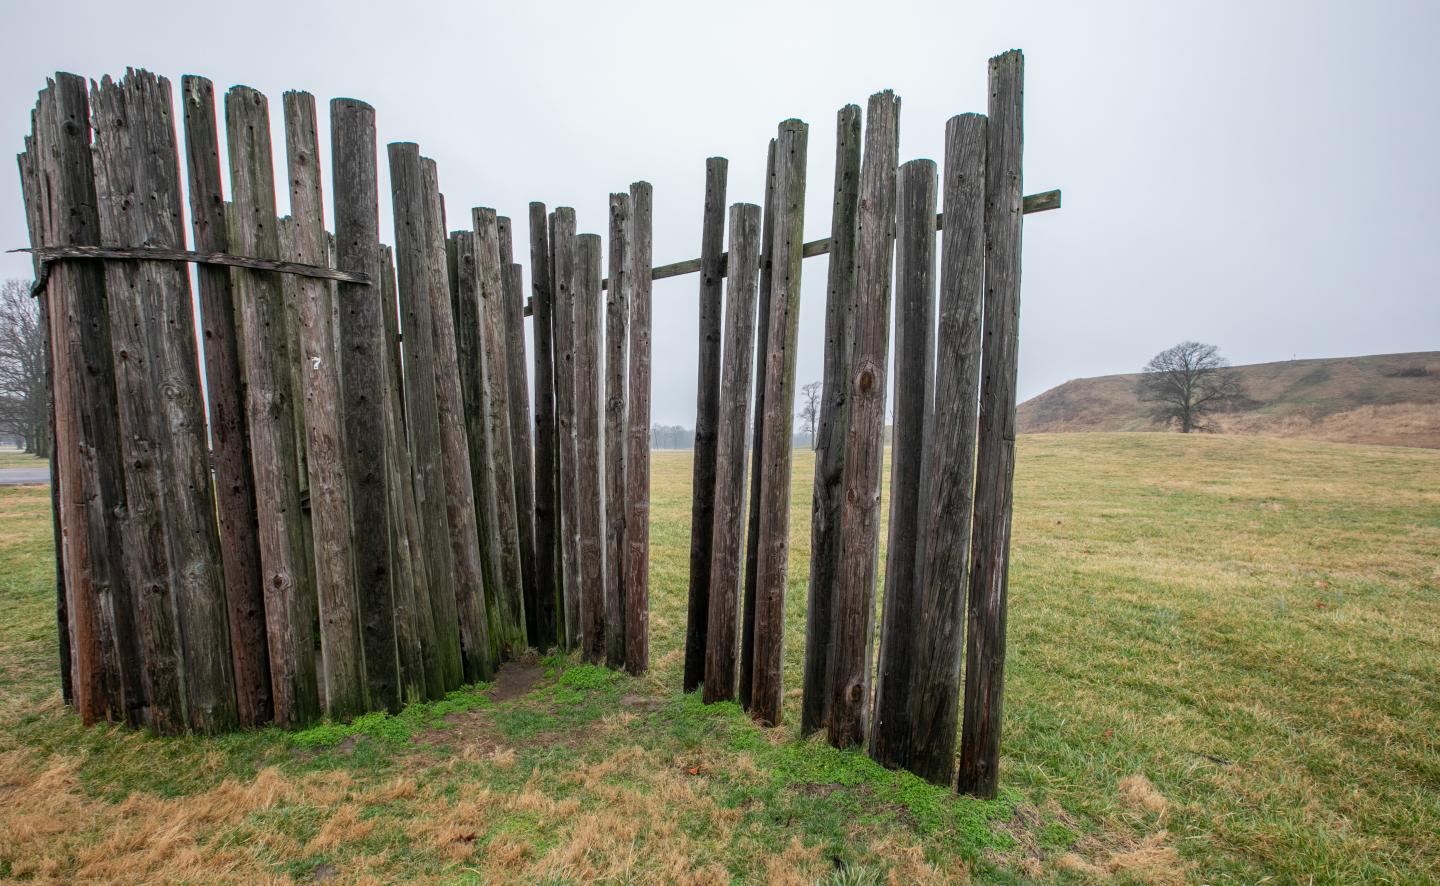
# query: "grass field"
{"points": [[1224, 667], [14, 458]]}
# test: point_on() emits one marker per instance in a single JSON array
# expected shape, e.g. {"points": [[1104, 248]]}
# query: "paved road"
{"points": [[24, 476]]}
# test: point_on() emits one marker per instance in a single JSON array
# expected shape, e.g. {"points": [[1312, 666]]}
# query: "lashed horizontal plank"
{"points": [[48, 254]]}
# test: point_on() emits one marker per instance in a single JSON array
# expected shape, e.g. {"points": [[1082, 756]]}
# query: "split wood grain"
{"points": [[637, 466]]}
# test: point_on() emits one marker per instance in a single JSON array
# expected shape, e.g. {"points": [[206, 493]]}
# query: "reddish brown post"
{"points": [[979, 771], [229, 442]]}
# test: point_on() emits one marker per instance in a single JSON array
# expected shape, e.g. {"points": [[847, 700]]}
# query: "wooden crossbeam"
{"points": [[50, 254], [1042, 202]]}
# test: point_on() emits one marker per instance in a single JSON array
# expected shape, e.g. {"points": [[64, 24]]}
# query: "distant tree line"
{"points": [[24, 396], [672, 437]]}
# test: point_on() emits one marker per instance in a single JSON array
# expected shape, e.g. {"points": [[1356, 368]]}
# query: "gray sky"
{"points": [[1261, 175]]}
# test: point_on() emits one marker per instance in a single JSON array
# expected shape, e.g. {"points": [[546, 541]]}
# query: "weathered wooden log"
{"points": [[834, 422], [363, 364], [852, 627], [35, 227], [49, 256], [508, 607], [422, 419], [563, 265], [773, 544], [617, 318], [414, 618], [521, 448], [707, 407], [342, 666], [728, 548], [148, 622], [229, 441], [915, 195], [587, 446], [637, 462], [549, 608], [947, 499], [979, 768], [290, 604], [470, 600], [752, 526], [471, 357]]}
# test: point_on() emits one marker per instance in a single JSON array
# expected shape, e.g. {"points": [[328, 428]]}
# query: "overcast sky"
{"points": [[1260, 175]]}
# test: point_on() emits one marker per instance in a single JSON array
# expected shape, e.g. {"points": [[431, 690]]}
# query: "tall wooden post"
{"points": [[773, 545], [852, 627], [728, 552], [521, 450], [979, 771], [914, 386], [757, 438], [342, 660], [365, 394], [508, 607], [565, 267], [290, 604], [587, 445], [414, 616], [617, 319], [707, 408], [637, 520], [229, 441], [948, 502], [159, 668], [834, 422], [459, 493], [422, 419], [549, 607]]}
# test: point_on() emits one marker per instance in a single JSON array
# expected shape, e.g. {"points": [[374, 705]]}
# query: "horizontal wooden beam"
{"points": [[49, 254], [1042, 202]]}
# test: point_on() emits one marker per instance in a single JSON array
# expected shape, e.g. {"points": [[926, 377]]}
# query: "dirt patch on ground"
{"points": [[516, 678]]}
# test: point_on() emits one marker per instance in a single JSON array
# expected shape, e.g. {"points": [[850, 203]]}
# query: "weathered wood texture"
{"points": [[508, 607], [637, 465], [63, 190], [159, 670], [564, 266], [290, 604], [854, 611], [341, 658], [49, 256], [773, 543], [834, 422], [757, 438], [422, 419], [517, 380], [617, 345], [475, 650], [470, 356], [225, 390], [979, 767], [707, 408], [138, 165], [728, 548], [362, 366], [548, 606], [915, 197], [415, 639], [948, 499], [587, 446]]}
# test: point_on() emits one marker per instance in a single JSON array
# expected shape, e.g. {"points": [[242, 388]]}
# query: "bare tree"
{"points": [[810, 410], [24, 394], [1186, 384]]}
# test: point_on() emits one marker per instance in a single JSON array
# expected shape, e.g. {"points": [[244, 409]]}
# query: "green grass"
{"points": [[1222, 668], [14, 458]]}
